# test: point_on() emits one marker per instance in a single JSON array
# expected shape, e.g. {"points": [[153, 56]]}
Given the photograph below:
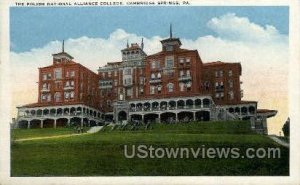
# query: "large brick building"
{"points": [[169, 86], [67, 92]]}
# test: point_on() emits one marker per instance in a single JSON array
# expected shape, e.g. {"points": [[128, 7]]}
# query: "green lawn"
{"points": [[102, 154]]}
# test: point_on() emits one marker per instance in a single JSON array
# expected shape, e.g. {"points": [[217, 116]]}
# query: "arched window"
{"points": [[153, 65], [188, 73], [152, 76], [170, 87], [158, 75], [181, 86], [57, 96]]}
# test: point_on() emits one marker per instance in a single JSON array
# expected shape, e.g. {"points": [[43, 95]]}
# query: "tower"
{"points": [[62, 56], [171, 44]]}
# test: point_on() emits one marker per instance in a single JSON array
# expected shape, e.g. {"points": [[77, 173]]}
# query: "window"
{"points": [[58, 85], [231, 95], [152, 76], [67, 95], [159, 88], [49, 97], [230, 73], [152, 89], [67, 74], [170, 87], [57, 96], [169, 62], [141, 80], [206, 85], [189, 85], [127, 81], [72, 83], [58, 73], [128, 71], [44, 86], [230, 83], [188, 60], [221, 73], [44, 76], [216, 73], [153, 65], [158, 75], [67, 83], [181, 73], [43, 97], [72, 73], [109, 74], [181, 85], [169, 48], [188, 73], [115, 82], [129, 92], [181, 60], [72, 94], [116, 73], [222, 94], [157, 64]]}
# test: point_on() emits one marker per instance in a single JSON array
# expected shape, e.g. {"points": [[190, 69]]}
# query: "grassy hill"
{"points": [[102, 154]]}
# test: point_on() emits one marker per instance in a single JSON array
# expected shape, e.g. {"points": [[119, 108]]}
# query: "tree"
{"points": [[286, 128]]}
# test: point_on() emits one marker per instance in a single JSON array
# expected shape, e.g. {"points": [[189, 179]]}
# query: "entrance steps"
{"points": [[94, 129]]}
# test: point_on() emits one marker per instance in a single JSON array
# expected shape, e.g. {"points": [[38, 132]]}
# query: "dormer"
{"points": [[171, 44], [62, 57]]}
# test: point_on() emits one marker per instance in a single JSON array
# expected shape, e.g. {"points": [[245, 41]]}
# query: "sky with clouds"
{"points": [[255, 36]]}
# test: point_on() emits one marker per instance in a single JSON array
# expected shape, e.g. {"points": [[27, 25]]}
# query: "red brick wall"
{"points": [[194, 66], [89, 92], [209, 75]]}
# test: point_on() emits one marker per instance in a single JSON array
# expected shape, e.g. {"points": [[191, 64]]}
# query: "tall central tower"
{"points": [[171, 44]]}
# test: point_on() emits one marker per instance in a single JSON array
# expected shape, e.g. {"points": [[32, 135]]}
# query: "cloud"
{"points": [[262, 51], [232, 27]]}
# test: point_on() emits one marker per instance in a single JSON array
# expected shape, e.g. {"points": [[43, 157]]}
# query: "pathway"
{"points": [[279, 141], [90, 131], [49, 137]]}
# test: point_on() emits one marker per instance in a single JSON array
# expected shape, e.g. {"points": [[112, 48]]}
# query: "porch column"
{"points": [[28, 124], [54, 123], [194, 116], [176, 117], [42, 123], [69, 122], [159, 117], [81, 124]]}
